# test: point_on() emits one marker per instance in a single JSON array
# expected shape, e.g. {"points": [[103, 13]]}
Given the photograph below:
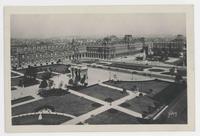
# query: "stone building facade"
{"points": [[110, 51], [172, 48], [45, 53]]}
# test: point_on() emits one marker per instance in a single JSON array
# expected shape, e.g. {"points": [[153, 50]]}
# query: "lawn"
{"points": [[181, 72], [128, 66], [13, 88], [179, 106], [142, 104], [102, 93], [156, 70], [162, 93], [149, 103], [47, 119], [14, 74], [69, 103], [53, 92], [59, 68], [88, 61], [23, 99], [170, 93], [112, 116], [41, 75], [151, 87], [16, 82]]}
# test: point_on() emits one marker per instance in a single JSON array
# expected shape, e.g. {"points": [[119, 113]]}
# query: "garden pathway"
{"points": [[106, 106], [16, 72]]}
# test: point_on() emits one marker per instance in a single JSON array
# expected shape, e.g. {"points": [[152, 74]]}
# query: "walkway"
{"points": [[105, 107], [16, 72], [82, 118], [87, 97], [88, 115], [25, 102]]}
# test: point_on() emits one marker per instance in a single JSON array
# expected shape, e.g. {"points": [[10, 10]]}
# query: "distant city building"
{"points": [[23, 54], [172, 48], [42, 52]]}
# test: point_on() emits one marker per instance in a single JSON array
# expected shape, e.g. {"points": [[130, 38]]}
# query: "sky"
{"points": [[89, 25]]}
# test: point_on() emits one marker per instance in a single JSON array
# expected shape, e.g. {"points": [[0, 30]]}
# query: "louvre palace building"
{"points": [[37, 52]]}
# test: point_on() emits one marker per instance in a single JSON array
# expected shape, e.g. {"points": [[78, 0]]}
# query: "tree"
{"points": [[47, 75], [150, 90], [172, 70], [67, 70], [30, 76], [21, 83], [70, 81], [43, 84], [140, 94], [31, 73], [50, 83], [178, 78], [134, 88], [59, 60]]}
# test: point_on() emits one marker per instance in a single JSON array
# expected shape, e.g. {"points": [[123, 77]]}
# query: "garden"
{"points": [[59, 68], [23, 81], [69, 104], [23, 99], [113, 117], [141, 104], [156, 70], [128, 66], [150, 87], [103, 93], [14, 74], [46, 119]]}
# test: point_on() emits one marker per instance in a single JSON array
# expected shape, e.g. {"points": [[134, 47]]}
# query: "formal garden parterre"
{"points": [[154, 94], [70, 104]]}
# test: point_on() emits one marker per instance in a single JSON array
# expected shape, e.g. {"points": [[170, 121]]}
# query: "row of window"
{"points": [[43, 47]]}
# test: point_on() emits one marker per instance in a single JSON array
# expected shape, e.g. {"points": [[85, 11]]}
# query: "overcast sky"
{"points": [[52, 25]]}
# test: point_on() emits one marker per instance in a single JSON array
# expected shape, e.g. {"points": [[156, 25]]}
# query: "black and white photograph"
{"points": [[91, 69]]}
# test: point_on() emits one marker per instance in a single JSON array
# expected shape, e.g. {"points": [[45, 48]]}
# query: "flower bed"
{"points": [[47, 119], [23, 99]]}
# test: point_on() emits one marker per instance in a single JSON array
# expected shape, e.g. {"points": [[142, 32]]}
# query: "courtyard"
{"points": [[101, 102]]}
